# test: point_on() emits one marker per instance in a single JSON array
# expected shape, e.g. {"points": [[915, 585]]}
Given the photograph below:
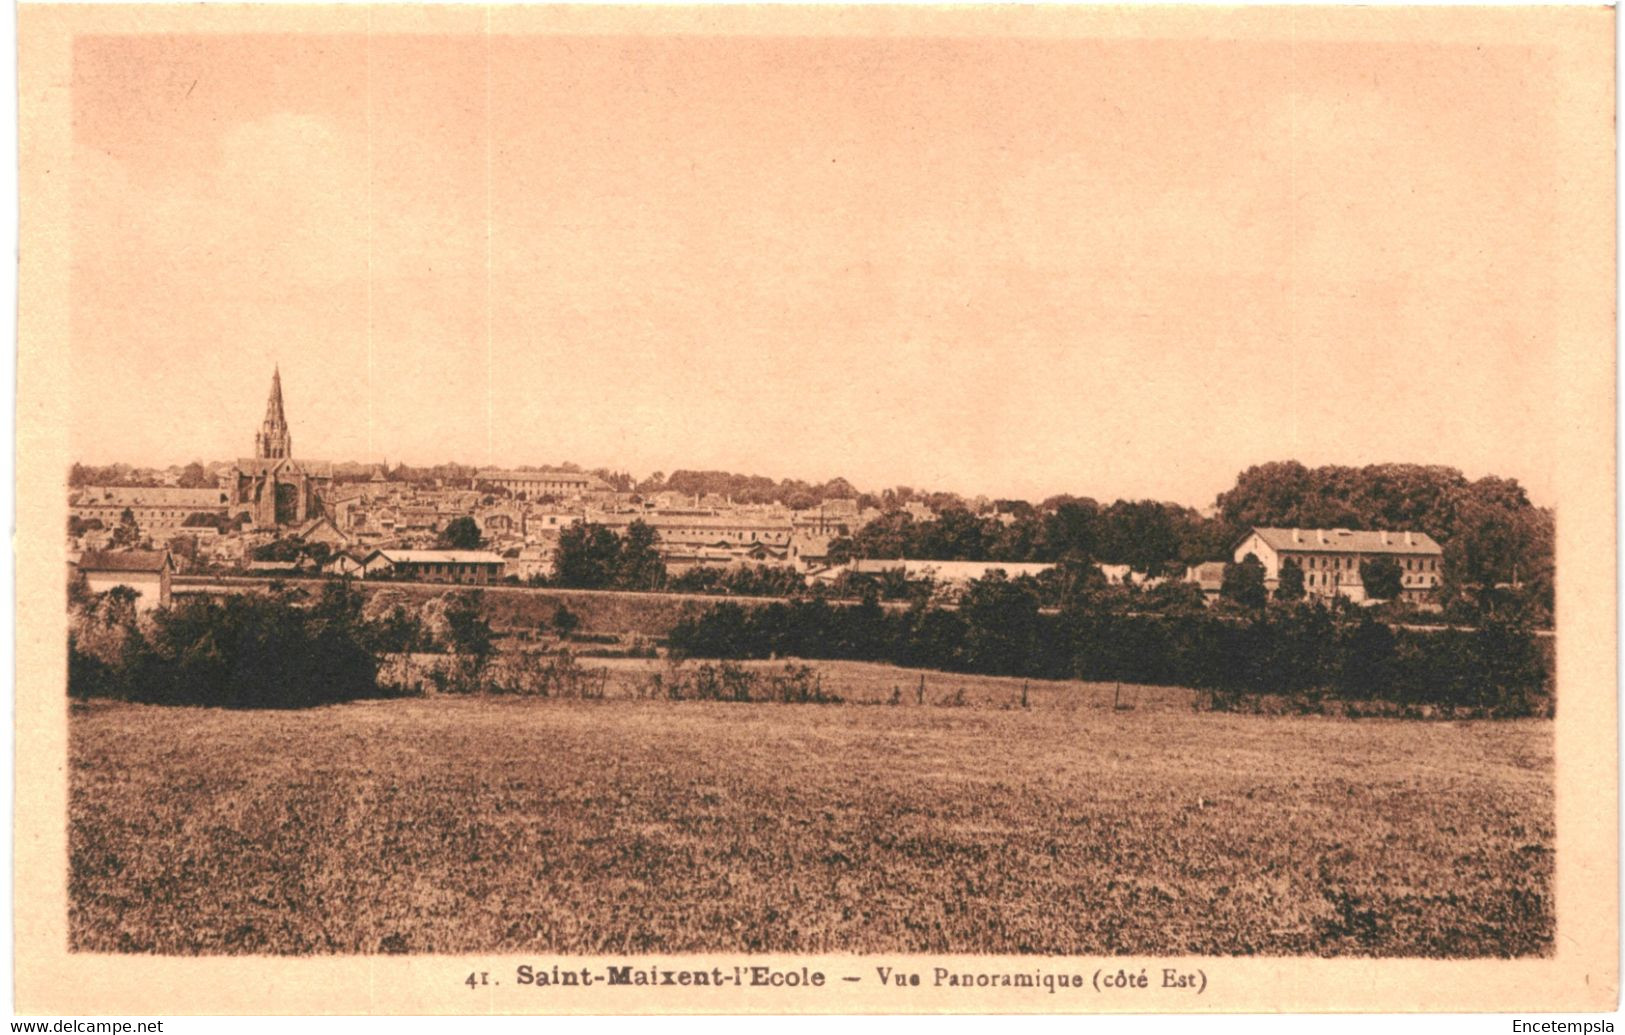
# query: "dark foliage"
{"points": [[1304, 650], [1244, 583], [594, 557], [1381, 577], [460, 533], [244, 651], [1289, 587], [565, 621]]}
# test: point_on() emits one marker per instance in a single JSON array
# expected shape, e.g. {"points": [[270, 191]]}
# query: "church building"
{"points": [[273, 488]]}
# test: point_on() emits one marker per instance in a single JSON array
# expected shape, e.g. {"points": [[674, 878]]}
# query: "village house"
{"points": [[809, 550], [345, 565], [1331, 558], [147, 572], [322, 530]]}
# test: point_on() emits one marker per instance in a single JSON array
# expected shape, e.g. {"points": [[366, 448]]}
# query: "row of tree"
{"points": [[193, 476], [999, 629], [1491, 534]]}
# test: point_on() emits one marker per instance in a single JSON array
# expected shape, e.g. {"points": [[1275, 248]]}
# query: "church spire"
{"points": [[273, 441]]}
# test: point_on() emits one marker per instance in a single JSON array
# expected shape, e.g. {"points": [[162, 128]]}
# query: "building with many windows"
{"points": [[159, 511], [535, 485], [1331, 558]]}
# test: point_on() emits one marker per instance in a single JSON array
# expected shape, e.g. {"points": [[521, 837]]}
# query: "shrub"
{"points": [[246, 651]]}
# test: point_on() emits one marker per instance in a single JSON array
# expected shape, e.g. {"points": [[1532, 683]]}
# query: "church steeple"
{"points": [[273, 441]]}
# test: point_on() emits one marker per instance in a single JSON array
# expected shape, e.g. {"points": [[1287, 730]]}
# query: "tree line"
{"points": [[1306, 650], [1492, 536]]}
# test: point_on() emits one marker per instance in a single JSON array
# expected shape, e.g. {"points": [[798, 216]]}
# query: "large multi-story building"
{"points": [[159, 511], [532, 485], [1331, 558]]}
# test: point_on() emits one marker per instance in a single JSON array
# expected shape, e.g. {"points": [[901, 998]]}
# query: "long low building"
{"points": [[476, 567], [159, 511], [679, 530], [532, 485]]}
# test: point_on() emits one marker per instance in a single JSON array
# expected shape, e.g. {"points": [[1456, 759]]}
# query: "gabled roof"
{"points": [[124, 560], [1343, 540], [314, 523]]}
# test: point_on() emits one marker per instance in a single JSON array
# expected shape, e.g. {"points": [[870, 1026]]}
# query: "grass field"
{"points": [[498, 824]]}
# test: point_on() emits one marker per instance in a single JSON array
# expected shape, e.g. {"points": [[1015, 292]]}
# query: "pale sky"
{"points": [[1018, 267]]}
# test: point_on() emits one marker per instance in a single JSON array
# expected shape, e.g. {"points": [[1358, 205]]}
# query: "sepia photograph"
{"points": [[1009, 507]]}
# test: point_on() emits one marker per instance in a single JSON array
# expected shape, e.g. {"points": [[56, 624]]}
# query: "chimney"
{"points": [[1322, 533], [1410, 540], [1384, 538], [1297, 535]]}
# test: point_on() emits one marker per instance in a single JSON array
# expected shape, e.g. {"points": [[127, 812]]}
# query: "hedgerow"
{"points": [[1499, 668]]}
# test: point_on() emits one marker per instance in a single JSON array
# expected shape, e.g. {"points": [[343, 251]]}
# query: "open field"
{"points": [[500, 824], [868, 682]]}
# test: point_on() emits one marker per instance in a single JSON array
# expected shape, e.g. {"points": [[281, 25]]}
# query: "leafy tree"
{"points": [[1175, 597], [587, 557], [194, 476], [1002, 621], [397, 631], [184, 547], [1290, 585], [79, 526], [461, 533], [468, 633], [1068, 528], [1382, 577], [638, 565], [1244, 582], [1143, 534], [128, 534]]}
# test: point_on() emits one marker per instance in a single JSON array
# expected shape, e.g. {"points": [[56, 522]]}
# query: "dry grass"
{"points": [[490, 825]]}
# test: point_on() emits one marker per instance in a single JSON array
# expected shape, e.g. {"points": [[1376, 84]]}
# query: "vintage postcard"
{"points": [[815, 510]]}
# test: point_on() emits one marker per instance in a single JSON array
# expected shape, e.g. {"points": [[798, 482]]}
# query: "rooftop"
{"points": [[1343, 540], [124, 560], [442, 556]]}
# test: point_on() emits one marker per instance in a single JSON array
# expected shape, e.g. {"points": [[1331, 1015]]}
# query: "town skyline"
{"points": [[992, 265], [862, 487]]}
